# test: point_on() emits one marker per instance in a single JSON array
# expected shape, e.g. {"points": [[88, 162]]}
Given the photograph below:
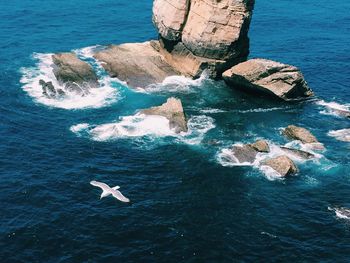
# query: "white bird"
{"points": [[106, 191]]}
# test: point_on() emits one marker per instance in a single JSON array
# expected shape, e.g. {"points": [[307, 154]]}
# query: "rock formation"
{"points": [[212, 34], [244, 153], [269, 77], [74, 73], [298, 153], [283, 165], [261, 146], [138, 64], [173, 111], [299, 133]]}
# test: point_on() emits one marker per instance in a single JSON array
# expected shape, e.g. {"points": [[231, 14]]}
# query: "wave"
{"points": [[173, 84], [341, 212], [341, 135], [334, 108], [140, 125], [96, 98]]}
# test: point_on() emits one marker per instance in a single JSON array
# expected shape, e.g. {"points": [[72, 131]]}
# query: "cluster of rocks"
{"points": [[282, 164]]}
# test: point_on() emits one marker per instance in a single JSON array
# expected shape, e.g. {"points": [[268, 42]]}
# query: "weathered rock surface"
{"points": [[283, 165], [138, 64], [299, 133], [203, 34], [244, 153], [269, 77], [49, 89], [73, 72], [261, 146], [298, 153], [173, 111], [169, 17]]}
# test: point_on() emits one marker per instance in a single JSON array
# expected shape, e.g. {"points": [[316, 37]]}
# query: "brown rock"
{"points": [[299, 133], [261, 146], [138, 64], [73, 72], [283, 165], [173, 111], [269, 77]]}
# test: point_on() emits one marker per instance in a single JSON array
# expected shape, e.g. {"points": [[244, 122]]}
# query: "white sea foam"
{"points": [[341, 135], [95, 98], [341, 212], [260, 110], [140, 125], [175, 84], [211, 110], [88, 52], [333, 108]]}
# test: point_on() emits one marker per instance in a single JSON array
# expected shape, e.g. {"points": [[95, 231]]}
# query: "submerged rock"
{"points": [[283, 165], [138, 64], [299, 133], [244, 153], [48, 88], [269, 77], [261, 146], [203, 35], [74, 73], [173, 111], [298, 153]]}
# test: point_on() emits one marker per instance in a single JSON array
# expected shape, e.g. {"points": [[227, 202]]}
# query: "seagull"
{"points": [[110, 191]]}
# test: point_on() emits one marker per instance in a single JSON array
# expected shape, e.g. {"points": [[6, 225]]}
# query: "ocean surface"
{"points": [[189, 201]]}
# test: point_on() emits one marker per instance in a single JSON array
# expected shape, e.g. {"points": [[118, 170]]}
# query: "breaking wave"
{"points": [[95, 98], [341, 212], [333, 108], [341, 135]]}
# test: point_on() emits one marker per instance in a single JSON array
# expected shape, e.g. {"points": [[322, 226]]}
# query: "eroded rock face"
{"points": [[283, 165], [173, 111], [299, 133], [261, 146], [199, 32], [169, 17], [269, 77], [73, 72], [138, 64], [49, 90]]}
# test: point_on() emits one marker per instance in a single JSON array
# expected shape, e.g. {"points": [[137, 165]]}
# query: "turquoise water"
{"points": [[189, 204]]}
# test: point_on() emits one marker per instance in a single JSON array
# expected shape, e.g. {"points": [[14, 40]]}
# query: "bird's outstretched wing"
{"points": [[103, 186], [117, 194]]}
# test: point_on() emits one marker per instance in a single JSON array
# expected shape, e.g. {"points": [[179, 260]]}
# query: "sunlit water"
{"points": [[190, 202]]}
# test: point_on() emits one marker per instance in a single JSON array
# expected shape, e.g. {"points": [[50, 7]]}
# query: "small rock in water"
{"points": [[298, 153], [299, 133], [173, 111], [244, 153], [48, 88], [283, 165], [261, 146]]}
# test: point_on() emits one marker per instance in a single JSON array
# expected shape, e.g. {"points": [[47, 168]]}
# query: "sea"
{"points": [[190, 199]]}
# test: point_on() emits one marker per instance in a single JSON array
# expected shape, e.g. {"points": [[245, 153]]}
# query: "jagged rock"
{"points": [[299, 133], [261, 146], [269, 77], [283, 165], [244, 153], [48, 88], [173, 111], [138, 64], [169, 17], [203, 34], [76, 74], [298, 153]]}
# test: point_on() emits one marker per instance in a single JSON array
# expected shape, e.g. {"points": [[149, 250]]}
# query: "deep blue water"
{"points": [[187, 206]]}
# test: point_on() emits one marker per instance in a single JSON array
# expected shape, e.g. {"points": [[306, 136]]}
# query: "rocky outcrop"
{"points": [[244, 153], [283, 165], [138, 64], [268, 77], [261, 146], [211, 34], [49, 89], [173, 111], [299, 133], [298, 153], [74, 73]]}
